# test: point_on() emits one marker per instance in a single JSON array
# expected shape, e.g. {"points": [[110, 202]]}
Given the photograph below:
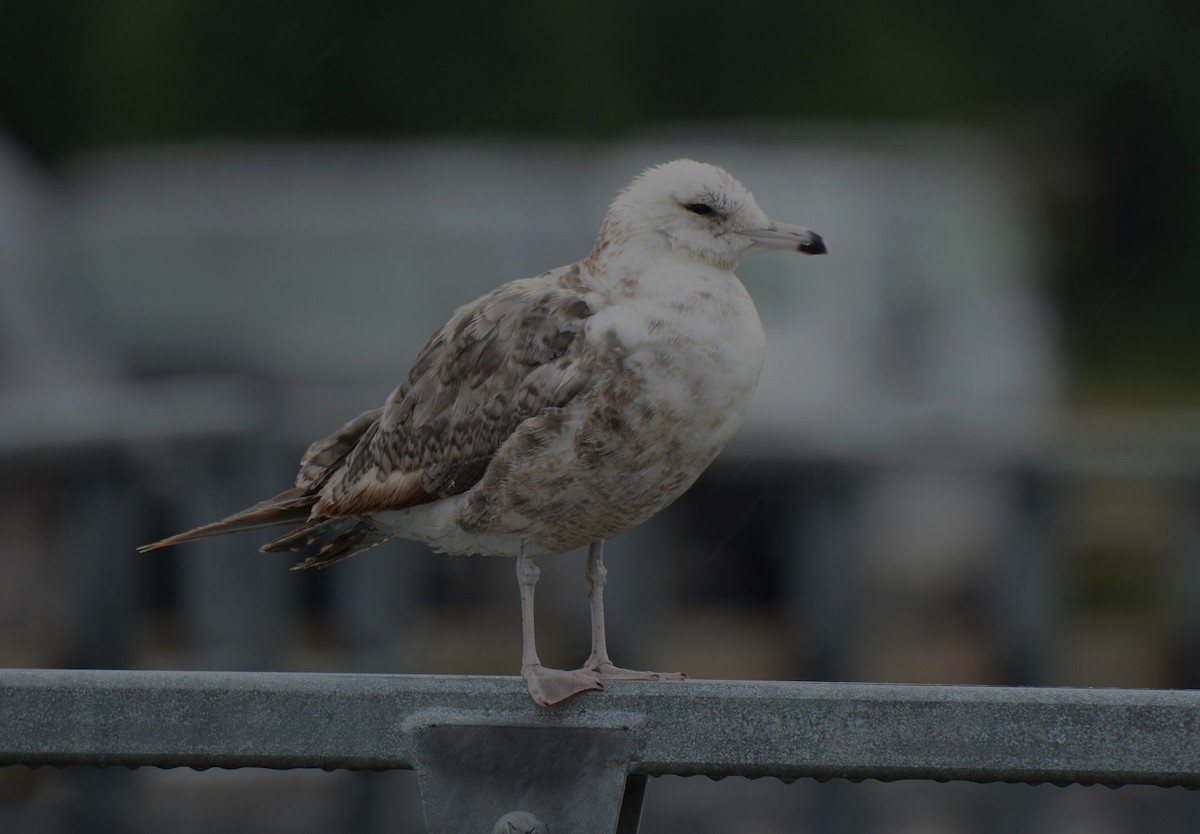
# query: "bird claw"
{"points": [[552, 686]]}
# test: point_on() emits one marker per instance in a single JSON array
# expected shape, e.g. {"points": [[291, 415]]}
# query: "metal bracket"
{"points": [[487, 772]]}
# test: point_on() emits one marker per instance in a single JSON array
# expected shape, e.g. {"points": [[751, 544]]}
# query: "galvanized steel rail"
{"points": [[480, 742]]}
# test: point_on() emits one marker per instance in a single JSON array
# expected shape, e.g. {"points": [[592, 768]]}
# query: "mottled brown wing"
{"points": [[499, 361], [324, 456]]}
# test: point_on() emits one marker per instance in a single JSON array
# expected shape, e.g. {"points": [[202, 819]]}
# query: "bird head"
{"points": [[701, 211]]}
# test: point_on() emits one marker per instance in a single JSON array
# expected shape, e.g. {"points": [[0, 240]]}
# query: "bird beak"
{"points": [[788, 237]]}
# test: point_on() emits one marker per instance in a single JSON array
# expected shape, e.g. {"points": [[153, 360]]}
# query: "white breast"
{"points": [[695, 332]]}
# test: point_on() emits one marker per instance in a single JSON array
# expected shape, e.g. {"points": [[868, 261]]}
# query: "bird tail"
{"points": [[287, 507], [359, 536]]}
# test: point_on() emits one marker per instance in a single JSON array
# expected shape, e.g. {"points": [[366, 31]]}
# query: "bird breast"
{"points": [[695, 337], [675, 374]]}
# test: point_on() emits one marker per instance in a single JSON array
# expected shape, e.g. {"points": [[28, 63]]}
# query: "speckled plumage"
{"points": [[558, 410]]}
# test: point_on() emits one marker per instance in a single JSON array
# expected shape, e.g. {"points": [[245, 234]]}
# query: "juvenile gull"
{"points": [[555, 411]]}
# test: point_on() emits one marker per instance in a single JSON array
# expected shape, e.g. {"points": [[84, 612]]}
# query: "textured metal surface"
{"points": [[788, 730], [569, 779]]}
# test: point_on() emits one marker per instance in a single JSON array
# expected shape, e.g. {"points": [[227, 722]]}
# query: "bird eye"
{"points": [[700, 208]]}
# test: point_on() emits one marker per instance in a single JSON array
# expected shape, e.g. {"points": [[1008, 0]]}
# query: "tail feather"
{"points": [[289, 507], [301, 537], [354, 539]]}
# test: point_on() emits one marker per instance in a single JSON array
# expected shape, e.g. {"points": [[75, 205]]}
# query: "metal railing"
{"points": [[488, 760]]}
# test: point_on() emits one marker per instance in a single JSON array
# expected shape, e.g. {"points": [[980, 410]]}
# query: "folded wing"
{"points": [[499, 361]]}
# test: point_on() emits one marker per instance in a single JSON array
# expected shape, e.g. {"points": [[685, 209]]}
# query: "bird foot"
{"points": [[608, 672], [552, 686]]}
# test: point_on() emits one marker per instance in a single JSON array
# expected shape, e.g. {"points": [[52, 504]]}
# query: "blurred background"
{"points": [[974, 456]]}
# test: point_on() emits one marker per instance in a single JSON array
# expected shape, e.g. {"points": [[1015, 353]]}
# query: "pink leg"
{"points": [[599, 661], [546, 686]]}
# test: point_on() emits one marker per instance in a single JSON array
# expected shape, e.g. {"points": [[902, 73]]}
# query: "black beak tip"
{"points": [[815, 245]]}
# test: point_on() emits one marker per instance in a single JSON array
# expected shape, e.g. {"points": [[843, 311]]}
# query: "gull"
{"points": [[555, 411]]}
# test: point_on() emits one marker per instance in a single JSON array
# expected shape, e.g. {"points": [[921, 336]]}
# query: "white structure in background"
{"points": [[329, 266], [37, 346]]}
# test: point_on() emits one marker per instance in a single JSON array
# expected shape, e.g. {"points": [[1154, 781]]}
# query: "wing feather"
{"points": [[499, 361], [324, 456], [506, 358]]}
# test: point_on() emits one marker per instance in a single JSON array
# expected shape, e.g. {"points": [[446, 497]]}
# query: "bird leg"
{"points": [[546, 686], [599, 661]]}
